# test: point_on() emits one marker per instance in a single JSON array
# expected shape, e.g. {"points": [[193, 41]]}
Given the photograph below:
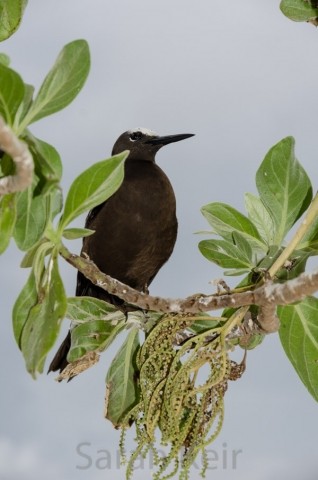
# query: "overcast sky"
{"points": [[241, 77]]}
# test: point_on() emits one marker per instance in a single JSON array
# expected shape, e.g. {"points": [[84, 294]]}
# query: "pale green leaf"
{"points": [[225, 254], [11, 12], [260, 217], [236, 272], [299, 10], [243, 246], [38, 264], [43, 323], [95, 335], [63, 82], [225, 220], [85, 309], [100, 323], [284, 187], [73, 233], [31, 219], [93, 186], [28, 258], [55, 201]]}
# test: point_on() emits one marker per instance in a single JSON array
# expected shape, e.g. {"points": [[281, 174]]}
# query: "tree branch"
{"points": [[268, 296], [21, 157]]}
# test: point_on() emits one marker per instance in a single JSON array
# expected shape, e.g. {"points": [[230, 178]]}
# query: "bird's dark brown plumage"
{"points": [[135, 229]]}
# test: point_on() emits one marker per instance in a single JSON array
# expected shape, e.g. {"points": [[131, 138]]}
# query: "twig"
{"points": [[268, 296], [22, 159]]}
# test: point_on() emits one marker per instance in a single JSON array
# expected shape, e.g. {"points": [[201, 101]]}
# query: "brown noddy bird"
{"points": [[135, 229]]}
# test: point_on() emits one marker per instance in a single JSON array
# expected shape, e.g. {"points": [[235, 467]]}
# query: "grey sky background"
{"points": [[241, 77]]}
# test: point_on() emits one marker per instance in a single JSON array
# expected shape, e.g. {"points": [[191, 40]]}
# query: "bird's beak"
{"points": [[168, 139]]}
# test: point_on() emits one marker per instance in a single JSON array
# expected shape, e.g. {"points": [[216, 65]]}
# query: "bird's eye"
{"points": [[135, 136]]}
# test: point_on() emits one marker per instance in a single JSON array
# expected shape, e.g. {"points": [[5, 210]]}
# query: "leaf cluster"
{"points": [[30, 217], [253, 245], [35, 208]]}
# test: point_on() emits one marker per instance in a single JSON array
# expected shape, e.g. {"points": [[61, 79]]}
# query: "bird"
{"points": [[135, 229]]}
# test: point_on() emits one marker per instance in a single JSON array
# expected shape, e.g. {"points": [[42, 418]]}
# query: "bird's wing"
{"points": [[83, 285], [92, 214]]}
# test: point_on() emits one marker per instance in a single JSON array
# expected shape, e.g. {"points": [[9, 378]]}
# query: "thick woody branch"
{"points": [[267, 318], [22, 159], [267, 296]]}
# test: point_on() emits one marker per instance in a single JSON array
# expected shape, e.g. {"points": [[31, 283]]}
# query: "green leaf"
{"points": [[4, 59], [261, 218], [24, 105], [73, 233], [11, 12], [93, 335], [48, 165], [299, 336], [236, 272], [273, 253], [252, 342], [7, 219], [225, 254], [45, 248], [93, 186], [243, 246], [299, 10], [43, 323], [11, 93], [284, 187], [100, 324], [295, 266], [122, 389], [34, 214], [200, 326], [21, 310], [225, 220], [55, 201], [28, 258], [310, 240], [248, 342], [31, 219], [86, 309], [63, 82]]}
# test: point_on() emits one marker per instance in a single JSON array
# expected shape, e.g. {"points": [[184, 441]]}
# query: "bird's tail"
{"points": [[59, 361]]}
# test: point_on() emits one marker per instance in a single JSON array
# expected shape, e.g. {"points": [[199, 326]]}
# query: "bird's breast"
{"points": [[136, 229]]}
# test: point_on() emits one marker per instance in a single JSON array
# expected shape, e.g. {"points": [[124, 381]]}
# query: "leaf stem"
{"points": [[310, 216]]}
